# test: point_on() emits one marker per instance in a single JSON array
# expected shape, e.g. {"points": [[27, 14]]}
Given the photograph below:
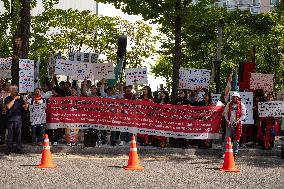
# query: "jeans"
{"points": [[114, 136], [37, 132], [14, 127], [3, 123], [230, 132], [53, 135]]}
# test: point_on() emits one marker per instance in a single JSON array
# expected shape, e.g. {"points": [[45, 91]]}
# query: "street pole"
{"points": [[217, 62]]}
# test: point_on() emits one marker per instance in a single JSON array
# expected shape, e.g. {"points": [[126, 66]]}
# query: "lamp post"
{"points": [[217, 62]]}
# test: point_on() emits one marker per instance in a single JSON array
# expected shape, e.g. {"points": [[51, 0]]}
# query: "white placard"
{"points": [[215, 97], [5, 68], [193, 79], [37, 112], [247, 99], [64, 67], [261, 81], [136, 76], [271, 109], [103, 71], [83, 71], [26, 75]]}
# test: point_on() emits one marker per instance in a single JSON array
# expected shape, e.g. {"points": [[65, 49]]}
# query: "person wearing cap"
{"points": [[234, 113]]}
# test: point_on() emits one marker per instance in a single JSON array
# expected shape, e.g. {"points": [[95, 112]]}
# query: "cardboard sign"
{"points": [[136, 75], [103, 71], [64, 67], [83, 57], [5, 68], [271, 109], [261, 81], [247, 99], [193, 79], [26, 75]]}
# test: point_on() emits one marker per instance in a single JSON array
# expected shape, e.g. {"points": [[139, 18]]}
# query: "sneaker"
{"points": [[39, 144], [235, 155], [55, 144], [222, 156], [68, 144], [122, 143], [7, 153], [73, 144], [19, 152]]}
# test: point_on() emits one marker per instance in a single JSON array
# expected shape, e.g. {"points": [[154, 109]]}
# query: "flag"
{"points": [[228, 88], [235, 81], [117, 72], [36, 74]]}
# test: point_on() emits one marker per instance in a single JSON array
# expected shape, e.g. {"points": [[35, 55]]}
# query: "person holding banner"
{"points": [[110, 93], [269, 129], [234, 113], [145, 139], [207, 101], [162, 99], [15, 105]]}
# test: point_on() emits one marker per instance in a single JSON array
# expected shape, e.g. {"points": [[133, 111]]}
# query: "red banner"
{"points": [[134, 117]]}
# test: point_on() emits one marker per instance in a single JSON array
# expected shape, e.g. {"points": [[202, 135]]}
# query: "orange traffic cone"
{"points": [[229, 161], [46, 160], [133, 161]]}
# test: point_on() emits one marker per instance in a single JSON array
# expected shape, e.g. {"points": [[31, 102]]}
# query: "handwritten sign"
{"points": [[193, 79], [103, 71], [83, 57], [82, 71], [271, 109], [5, 68], [261, 81], [26, 75], [37, 112], [64, 67], [214, 97], [247, 99], [136, 75], [52, 64]]}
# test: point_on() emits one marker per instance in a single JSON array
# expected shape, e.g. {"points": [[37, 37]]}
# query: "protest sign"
{"points": [[193, 79], [247, 99], [37, 112], [214, 97], [134, 117], [52, 64], [136, 76], [271, 109], [64, 67], [82, 71], [26, 75], [83, 57], [5, 68], [103, 71], [261, 81]]}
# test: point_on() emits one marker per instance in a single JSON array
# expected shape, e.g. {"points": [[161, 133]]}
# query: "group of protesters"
{"points": [[15, 111]]}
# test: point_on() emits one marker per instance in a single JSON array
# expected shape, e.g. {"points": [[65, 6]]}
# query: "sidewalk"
{"points": [[147, 150]]}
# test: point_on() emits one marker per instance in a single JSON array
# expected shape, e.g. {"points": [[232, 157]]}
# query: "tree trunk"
{"points": [[21, 38], [177, 53]]}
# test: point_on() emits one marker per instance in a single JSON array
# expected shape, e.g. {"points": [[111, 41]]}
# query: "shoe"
{"points": [[68, 144], [122, 143], [55, 144], [39, 144], [73, 144], [7, 153], [235, 155], [221, 156]]}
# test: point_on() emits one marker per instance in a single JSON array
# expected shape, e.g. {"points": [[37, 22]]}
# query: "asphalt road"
{"points": [[167, 171]]}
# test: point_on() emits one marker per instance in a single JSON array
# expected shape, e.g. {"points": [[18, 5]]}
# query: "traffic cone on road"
{"points": [[46, 160], [133, 161], [229, 161]]}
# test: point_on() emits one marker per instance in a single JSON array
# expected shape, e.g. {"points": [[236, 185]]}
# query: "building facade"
{"points": [[254, 6]]}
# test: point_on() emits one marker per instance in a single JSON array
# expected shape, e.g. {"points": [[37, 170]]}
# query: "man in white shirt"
{"points": [[234, 113]]}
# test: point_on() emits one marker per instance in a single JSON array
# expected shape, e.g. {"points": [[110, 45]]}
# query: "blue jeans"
{"points": [[37, 132], [230, 132], [14, 127]]}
